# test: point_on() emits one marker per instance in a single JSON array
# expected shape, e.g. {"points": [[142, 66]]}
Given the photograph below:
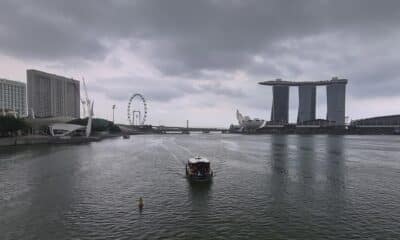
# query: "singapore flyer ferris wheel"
{"points": [[137, 109]]}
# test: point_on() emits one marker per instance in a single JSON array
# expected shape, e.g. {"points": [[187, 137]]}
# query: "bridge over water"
{"points": [[171, 129]]}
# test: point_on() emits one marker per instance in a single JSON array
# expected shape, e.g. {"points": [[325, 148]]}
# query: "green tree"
{"points": [[98, 124], [9, 125]]}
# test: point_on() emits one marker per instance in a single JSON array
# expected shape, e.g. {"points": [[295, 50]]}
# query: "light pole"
{"points": [[113, 108]]}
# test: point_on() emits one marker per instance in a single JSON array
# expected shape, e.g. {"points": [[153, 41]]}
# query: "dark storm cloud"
{"points": [[224, 35], [204, 34], [28, 31], [184, 38]]}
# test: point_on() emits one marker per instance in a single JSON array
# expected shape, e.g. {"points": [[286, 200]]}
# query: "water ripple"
{"points": [[266, 187]]}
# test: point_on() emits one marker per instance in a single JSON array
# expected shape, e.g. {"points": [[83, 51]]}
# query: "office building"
{"points": [[50, 95], [12, 97]]}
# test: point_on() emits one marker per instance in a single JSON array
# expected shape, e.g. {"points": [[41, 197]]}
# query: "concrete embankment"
{"points": [[8, 141], [37, 139]]}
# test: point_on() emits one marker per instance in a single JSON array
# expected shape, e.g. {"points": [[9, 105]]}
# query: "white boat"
{"points": [[198, 169]]}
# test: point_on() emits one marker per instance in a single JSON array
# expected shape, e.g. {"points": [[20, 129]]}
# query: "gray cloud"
{"points": [[122, 88], [160, 90], [184, 35], [217, 88], [33, 33], [197, 46]]}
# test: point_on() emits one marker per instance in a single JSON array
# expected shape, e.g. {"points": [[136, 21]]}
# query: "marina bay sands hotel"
{"points": [[336, 96]]}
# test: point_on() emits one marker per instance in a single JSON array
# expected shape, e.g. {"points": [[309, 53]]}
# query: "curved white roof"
{"points": [[67, 127], [198, 159]]}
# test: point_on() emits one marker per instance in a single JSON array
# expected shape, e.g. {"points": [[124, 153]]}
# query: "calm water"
{"points": [[266, 187]]}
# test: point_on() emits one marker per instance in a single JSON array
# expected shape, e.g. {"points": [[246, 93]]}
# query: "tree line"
{"points": [[9, 126]]}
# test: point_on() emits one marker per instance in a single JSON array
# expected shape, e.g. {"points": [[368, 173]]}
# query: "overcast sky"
{"points": [[201, 60]]}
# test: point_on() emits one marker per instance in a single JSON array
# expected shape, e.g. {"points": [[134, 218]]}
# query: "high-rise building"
{"points": [[50, 95], [280, 104], [336, 101], [307, 103], [12, 97]]}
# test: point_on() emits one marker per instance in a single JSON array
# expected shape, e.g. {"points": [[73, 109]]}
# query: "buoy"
{"points": [[141, 204]]}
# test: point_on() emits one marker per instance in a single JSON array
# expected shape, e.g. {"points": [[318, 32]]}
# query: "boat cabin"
{"points": [[198, 167]]}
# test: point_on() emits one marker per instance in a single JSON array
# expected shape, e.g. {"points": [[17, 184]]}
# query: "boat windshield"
{"points": [[198, 160]]}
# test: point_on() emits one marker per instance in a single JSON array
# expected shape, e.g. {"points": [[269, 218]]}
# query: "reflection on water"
{"points": [[266, 187], [200, 195], [335, 187], [306, 173], [335, 165], [280, 172]]}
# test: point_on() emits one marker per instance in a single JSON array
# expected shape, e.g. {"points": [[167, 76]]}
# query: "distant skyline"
{"points": [[202, 60]]}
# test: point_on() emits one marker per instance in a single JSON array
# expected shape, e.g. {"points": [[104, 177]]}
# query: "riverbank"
{"points": [[40, 139], [318, 130]]}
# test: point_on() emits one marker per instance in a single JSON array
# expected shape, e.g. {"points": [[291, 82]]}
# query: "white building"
{"points": [[247, 123], [50, 95], [12, 97]]}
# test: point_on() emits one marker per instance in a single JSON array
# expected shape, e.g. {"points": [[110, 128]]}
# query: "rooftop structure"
{"points": [[280, 82]]}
